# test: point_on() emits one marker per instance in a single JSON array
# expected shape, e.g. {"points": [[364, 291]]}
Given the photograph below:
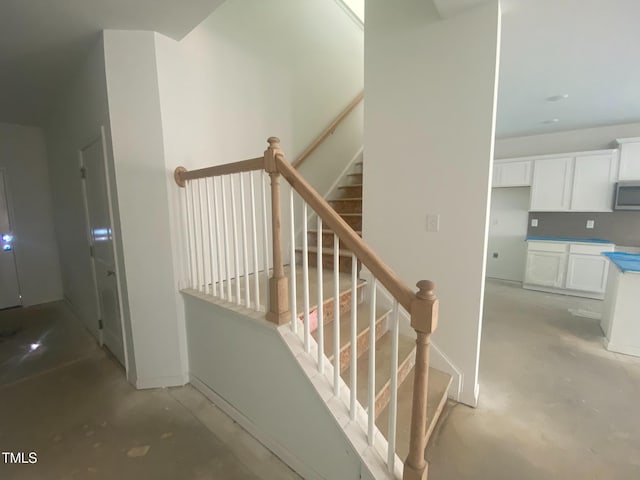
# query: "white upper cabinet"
{"points": [[512, 174], [593, 182], [629, 159], [551, 184]]}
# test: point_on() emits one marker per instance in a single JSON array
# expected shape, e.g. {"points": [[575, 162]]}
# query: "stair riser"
{"points": [[351, 191], [354, 222], [362, 343], [327, 307], [347, 206], [354, 179], [327, 240], [327, 262], [384, 395]]}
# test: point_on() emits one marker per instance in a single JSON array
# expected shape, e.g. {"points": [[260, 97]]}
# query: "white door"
{"points": [[593, 181], [587, 273], [551, 184], [102, 246], [9, 288], [545, 269]]}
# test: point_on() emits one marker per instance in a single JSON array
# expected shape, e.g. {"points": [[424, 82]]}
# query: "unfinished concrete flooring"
{"points": [[554, 404], [69, 402]]}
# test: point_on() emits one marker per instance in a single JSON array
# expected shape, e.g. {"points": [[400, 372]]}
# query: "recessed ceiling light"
{"points": [[551, 120], [557, 98]]}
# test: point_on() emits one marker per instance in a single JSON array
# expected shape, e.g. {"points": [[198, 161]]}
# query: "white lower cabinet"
{"points": [[566, 267]]}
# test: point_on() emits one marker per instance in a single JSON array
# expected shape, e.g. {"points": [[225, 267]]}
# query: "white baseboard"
{"points": [[161, 382], [624, 349], [276, 448]]}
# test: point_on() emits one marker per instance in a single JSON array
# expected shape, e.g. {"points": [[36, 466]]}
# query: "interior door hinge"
{"points": [[100, 324], [91, 250], [83, 173]]}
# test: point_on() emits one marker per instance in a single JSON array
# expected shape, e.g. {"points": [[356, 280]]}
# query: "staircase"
{"points": [[348, 205]]}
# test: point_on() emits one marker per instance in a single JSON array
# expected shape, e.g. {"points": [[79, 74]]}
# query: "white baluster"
{"points": [[211, 247], [292, 265], [225, 228], [320, 297], [219, 252], [236, 253], [265, 234], [243, 219], [393, 401], [187, 203], [305, 279], [353, 366], [195, 236], [372, 363], [203, 241], [336, 315], [254, 241]]}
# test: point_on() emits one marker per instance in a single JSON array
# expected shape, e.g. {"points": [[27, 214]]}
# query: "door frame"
{"points": [[114, 243], [9, 200]]}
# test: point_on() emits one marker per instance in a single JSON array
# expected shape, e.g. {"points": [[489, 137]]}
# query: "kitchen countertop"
{"points": [[565, 239], [626, 262]]}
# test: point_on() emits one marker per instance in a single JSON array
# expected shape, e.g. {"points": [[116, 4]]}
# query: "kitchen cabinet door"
{"points": [[545, 269], [629, 161], [512, 174], [593, 183], [587, 273], [551, 184]]}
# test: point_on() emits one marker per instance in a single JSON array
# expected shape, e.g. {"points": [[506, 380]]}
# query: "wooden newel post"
{"points": [[278, 308], [424, 318]]}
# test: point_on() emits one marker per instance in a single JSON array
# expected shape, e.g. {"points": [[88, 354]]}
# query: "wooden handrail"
{"points": [[181, 174], [347, 235], [327, 131]]}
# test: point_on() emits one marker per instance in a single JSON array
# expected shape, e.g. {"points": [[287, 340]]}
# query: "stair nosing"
{"points": [[349, 186], [350, 199], [327, 231], [328, 250]]}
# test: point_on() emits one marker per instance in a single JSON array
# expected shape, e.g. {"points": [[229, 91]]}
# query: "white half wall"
{"points": [[597, 138], [429, 129], [141, 178], [507, 231], [243, 365], [23, 157]]}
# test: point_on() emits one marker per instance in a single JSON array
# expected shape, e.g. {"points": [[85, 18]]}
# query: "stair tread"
{"points": [[351, 186], [328, 251], [350, 214], [382, 368], [326, 230], [362, 322], [348, 199], [439, 383]]}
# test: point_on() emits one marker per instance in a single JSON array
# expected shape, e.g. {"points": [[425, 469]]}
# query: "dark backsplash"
{"points": [[621, 228]]}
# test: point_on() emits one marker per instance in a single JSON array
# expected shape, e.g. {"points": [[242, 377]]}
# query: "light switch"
{"points": [[590, 223], [433, 222], [534, 222]]}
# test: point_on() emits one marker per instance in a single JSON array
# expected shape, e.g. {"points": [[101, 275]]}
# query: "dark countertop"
{"points": [[626, 262], [566, 239]]}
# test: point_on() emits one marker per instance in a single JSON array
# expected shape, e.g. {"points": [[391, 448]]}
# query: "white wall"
{"points": [[141, 178], [597, 138], [429, 129], [257, 69], [267, 388], [23, 157], [507, 231]]}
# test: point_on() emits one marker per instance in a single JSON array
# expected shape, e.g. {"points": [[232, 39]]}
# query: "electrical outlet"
{"points": [[534, 222], [433, 222], [590, 223]]}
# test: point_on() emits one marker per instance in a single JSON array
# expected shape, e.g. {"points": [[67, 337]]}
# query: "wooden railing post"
{"points": [[278, 308], [424, 318]]}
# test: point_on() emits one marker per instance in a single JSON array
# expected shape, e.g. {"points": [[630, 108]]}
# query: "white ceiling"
{"points": [[41, 41], [588, 49]]}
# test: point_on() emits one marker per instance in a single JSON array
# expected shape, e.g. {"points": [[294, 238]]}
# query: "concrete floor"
{"points": [[554, 404], [69, 402]]}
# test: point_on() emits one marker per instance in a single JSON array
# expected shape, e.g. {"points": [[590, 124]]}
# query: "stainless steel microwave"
{"points": [[627, 196]]}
